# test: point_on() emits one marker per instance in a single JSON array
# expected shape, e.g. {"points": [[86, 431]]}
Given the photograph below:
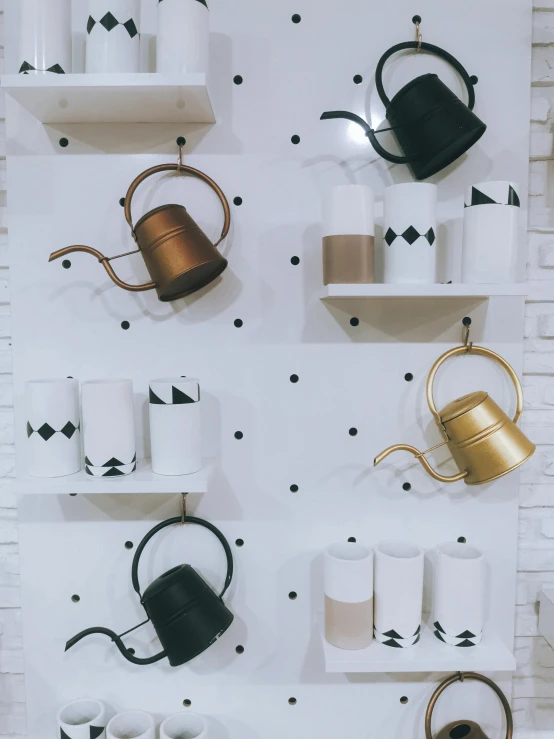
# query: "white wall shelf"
{"points": [[546, 615], [454, 290], [112, 98], [429, 655], [141, 481]]}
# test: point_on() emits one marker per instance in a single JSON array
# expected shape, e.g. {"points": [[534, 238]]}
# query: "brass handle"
{"points": [[181, 168], [468, 676], [485, 353]]}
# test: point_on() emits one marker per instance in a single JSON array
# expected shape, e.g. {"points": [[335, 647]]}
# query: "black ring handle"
{"points": [[432, 49], [178, 520]]}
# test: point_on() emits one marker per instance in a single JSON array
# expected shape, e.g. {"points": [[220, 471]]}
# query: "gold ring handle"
{"points": [[485, 353], [468, 676], [181, 168]]}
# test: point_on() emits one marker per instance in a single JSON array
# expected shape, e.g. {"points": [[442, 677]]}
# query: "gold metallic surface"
{"points": [[348, 259], [483, 441], [467, 676]]}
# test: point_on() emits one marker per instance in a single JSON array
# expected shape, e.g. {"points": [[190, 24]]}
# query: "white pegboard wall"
{"points": [[68, 321]]}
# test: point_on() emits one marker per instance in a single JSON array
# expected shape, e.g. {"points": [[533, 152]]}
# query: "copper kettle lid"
{"points": [[462, 730], [462, 405]]}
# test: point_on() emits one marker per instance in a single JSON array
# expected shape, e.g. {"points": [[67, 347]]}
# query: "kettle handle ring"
{"points": [[181, 169], [468, 676], [432, 49], [485, 353], [178, 520]]}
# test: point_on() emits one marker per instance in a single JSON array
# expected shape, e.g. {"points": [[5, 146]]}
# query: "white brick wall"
{"points": [[533, 693]]}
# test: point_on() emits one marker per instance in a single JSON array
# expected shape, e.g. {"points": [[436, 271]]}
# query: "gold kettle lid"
{"points": [[462, 405]]}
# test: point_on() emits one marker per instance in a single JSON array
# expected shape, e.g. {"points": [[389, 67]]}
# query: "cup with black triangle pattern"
{"points": [[82, 719]]}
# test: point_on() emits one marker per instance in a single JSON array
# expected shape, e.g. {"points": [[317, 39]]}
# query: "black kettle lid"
{"points": [[179, 574]]}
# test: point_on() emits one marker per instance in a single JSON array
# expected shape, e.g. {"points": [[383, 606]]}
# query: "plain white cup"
{"points": [[184, 725], [82, 719], [132, 725]]}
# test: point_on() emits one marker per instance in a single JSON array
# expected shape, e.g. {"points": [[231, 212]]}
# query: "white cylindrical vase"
{"points": [[82, 719], [53, 427], [410, 233], [398, 593], [184, 725], [131, 725], [491, 231], [458, 594], [175, 428], [348, 235], [348, 588], [44, 36], [112, 36], [182, 42], [108, 427]]}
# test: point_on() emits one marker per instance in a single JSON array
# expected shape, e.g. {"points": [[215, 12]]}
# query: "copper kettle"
{"points": [[465, 729], [484, 442], [178, 255]]}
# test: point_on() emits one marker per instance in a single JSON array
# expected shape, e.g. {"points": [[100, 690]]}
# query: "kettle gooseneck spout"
{"points": [[105, 261], [419, 456], [119, 644]]}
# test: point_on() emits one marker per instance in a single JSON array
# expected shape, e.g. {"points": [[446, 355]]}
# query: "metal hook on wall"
{"points": [[183, 507], [418, 36], [465, 335]]}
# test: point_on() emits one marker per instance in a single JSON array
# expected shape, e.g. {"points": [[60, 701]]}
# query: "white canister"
{"points": [[44, 36], [108, 427], [398, 592], [491, 231], [82, 719], [175, 426], [112, 36], [348, 235], [458, 594], [410, 233], [184, 725], [53, 427], [348, 588], [131, 725], [182, 42]]}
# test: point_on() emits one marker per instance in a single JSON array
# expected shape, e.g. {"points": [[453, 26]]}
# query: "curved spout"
{"points": [[419, 455], [119, 644], [349, 117], [105, 261]]}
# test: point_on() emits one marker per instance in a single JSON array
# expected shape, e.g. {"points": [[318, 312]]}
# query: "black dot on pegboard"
{"points": [[237, 322], [461, 540], [406, 486], [131, 650], [122, 202], [237, 79], [181, 141], [75, 598], [403, 700], [466, 321], [408, 377], [295, 260], [294, 488], [353, 431], [296, 18], [474, 79], [239, 542], [292, 701], [239, 435], [187, 703], [125, 325], [295, 139], [293, 595], [129, 545], [66, 264], [63, 143], [416, 19], [358, 79], [72, 495], [352, 540], [294, 378], [237, 200], [354, 321], [239, 649]]}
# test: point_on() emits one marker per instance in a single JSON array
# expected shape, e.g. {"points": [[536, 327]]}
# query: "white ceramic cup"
{"points": [[131, 725], [112, 37], [184, 725], [44, 36], [182, 43], [82, 719]]}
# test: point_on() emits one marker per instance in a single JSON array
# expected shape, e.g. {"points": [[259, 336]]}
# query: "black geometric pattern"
{"points": [[480, 198], [110, 471], [109, 21], [47, 432], [463, 643], [95, 732], [410, 235], [112, 462], [178, 397], [397, 645], [464, 635], [25, 68]]}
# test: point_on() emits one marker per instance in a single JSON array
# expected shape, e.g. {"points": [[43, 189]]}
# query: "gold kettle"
{"points": [[484, 442], [178, 255]]}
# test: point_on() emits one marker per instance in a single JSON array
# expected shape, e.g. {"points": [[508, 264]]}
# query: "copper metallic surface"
{"points": [[483, 441], [445, 684], [178, 255], [348, 259]]}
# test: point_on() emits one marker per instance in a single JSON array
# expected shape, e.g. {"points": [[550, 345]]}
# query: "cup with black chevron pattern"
{"points": [[44, 37], [112, 36], [490, 247], [82, 719], [182, 41], [175, 426], [52, 427]]}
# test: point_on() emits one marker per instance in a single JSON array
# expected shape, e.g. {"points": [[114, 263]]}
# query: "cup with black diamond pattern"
{"points": [[44, 37], [175, 432], [108, 428], [82, 719], [182, 41], [112, 36], [410, 233], [52, 427]]}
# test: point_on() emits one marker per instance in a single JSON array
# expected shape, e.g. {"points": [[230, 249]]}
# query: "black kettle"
{"points": [[431, 124], [185, 611]]}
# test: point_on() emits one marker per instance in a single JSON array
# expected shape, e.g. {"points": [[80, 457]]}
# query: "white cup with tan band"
{"points": [[348, 235], [348, 586]]}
